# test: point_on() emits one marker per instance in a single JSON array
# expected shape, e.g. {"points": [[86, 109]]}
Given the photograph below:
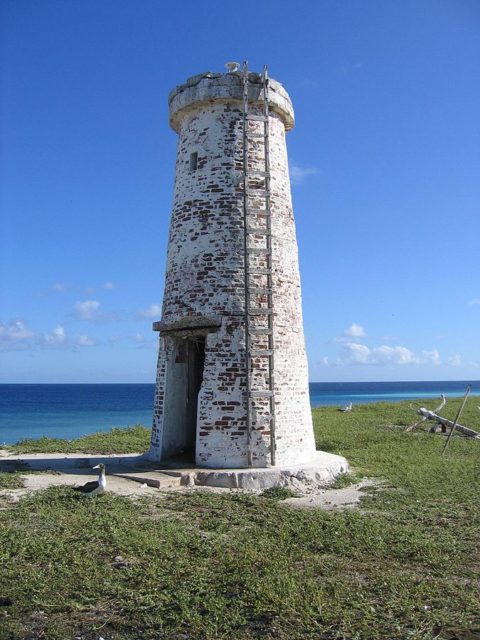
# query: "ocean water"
{"points": [[72, 410], [341, 393]]}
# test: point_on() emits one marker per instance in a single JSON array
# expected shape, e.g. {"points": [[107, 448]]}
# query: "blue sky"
{"points": [[385, 165]]}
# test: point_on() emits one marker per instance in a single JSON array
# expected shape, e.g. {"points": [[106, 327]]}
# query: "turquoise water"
{"points": [[72, 410], [333, 393]]}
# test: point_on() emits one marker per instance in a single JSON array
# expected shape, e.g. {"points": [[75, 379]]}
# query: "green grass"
{"points": [[131, 440], [11, 480], [278, 493], [203, 566]]}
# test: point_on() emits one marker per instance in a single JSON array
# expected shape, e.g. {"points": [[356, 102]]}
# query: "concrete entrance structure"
{"points": [[200, 401]]}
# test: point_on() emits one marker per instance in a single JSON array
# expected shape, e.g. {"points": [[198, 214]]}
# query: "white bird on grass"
{"points": [[347, 408], [95, 487]]}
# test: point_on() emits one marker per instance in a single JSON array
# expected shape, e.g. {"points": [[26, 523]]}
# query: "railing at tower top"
{"points": [[259, 340]]}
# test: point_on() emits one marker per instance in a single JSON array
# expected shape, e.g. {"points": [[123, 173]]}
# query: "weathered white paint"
{"points": [[204, 279]]}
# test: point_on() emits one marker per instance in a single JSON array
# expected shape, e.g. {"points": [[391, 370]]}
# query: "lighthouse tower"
{"points": [[232, 380]]}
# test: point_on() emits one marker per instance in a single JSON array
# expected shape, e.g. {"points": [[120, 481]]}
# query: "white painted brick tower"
{"points": [[232, 380]]}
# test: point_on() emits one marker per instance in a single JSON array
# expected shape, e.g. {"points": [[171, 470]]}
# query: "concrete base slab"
{"points": [[322, 470]]}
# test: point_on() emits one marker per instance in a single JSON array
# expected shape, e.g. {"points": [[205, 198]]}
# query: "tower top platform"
{"points": [[207, 88]]}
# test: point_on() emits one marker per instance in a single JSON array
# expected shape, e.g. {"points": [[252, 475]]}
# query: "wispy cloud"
{"points": [[356, 353], [350, 67], [109, 285], [13, 334], [474, 301], [355, 331], [298, 173], [85, 341], [153, 311], [145, 342], [87, 310], [16, 336], [390, 338], [60, 287], [455, 360], [58, 337], [430, 357]]}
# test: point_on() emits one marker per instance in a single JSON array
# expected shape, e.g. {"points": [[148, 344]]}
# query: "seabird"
{"points": [[95, 487], [348, 407]]}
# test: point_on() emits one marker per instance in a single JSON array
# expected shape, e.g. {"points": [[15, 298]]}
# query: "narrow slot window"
{"points": [[193, 161]]}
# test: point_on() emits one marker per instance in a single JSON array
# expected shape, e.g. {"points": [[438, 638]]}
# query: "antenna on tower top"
{"points": [[231, 67]]}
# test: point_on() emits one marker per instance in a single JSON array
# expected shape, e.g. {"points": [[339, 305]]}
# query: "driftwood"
{"points": [[431, 415], [419, 422]]}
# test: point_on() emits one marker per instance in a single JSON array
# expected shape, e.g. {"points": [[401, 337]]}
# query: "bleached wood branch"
{"points": [[431, 415], [419, 422]]}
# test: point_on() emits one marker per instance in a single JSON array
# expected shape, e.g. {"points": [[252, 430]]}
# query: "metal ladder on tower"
{"points": [[258, 298]]}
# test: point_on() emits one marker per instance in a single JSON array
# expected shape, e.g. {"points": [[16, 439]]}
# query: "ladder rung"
{"points": [[260, 332], [257, 174], [259, 190], [253, 211], [258, 118], [259, 232], [258, 311], [258, 251], [261, 290], [261, 394], [259, 272], [261, 352], [255, 135]]}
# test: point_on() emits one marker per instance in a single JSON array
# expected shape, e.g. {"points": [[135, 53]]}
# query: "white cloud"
{"points": [[145, 341], [14, 334], [298, 174], [109, 285], [58, 337], [355, 331], [431, 357], [153, 311], [87, 310], [474, 301], [455, 360], [357, 353]]}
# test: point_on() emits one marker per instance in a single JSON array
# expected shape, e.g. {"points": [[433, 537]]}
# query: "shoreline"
{"points": [[137, 431]]}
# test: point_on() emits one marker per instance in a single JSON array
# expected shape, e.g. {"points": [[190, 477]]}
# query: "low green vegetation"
{"points": [[278, 493], [199, 565], [131, 440], [10, 480]]}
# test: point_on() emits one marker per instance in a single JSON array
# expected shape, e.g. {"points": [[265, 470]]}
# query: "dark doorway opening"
{"points": [[195, 365]]}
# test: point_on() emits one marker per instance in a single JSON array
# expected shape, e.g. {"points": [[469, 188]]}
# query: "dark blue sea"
{"points": [[71, 410]]}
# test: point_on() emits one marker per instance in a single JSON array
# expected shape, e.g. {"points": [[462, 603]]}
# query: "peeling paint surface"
{"points": [[205, 280]]}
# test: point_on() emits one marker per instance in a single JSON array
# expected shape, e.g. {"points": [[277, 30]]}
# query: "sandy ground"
{"points": [[308, 497], [330, 499]]}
